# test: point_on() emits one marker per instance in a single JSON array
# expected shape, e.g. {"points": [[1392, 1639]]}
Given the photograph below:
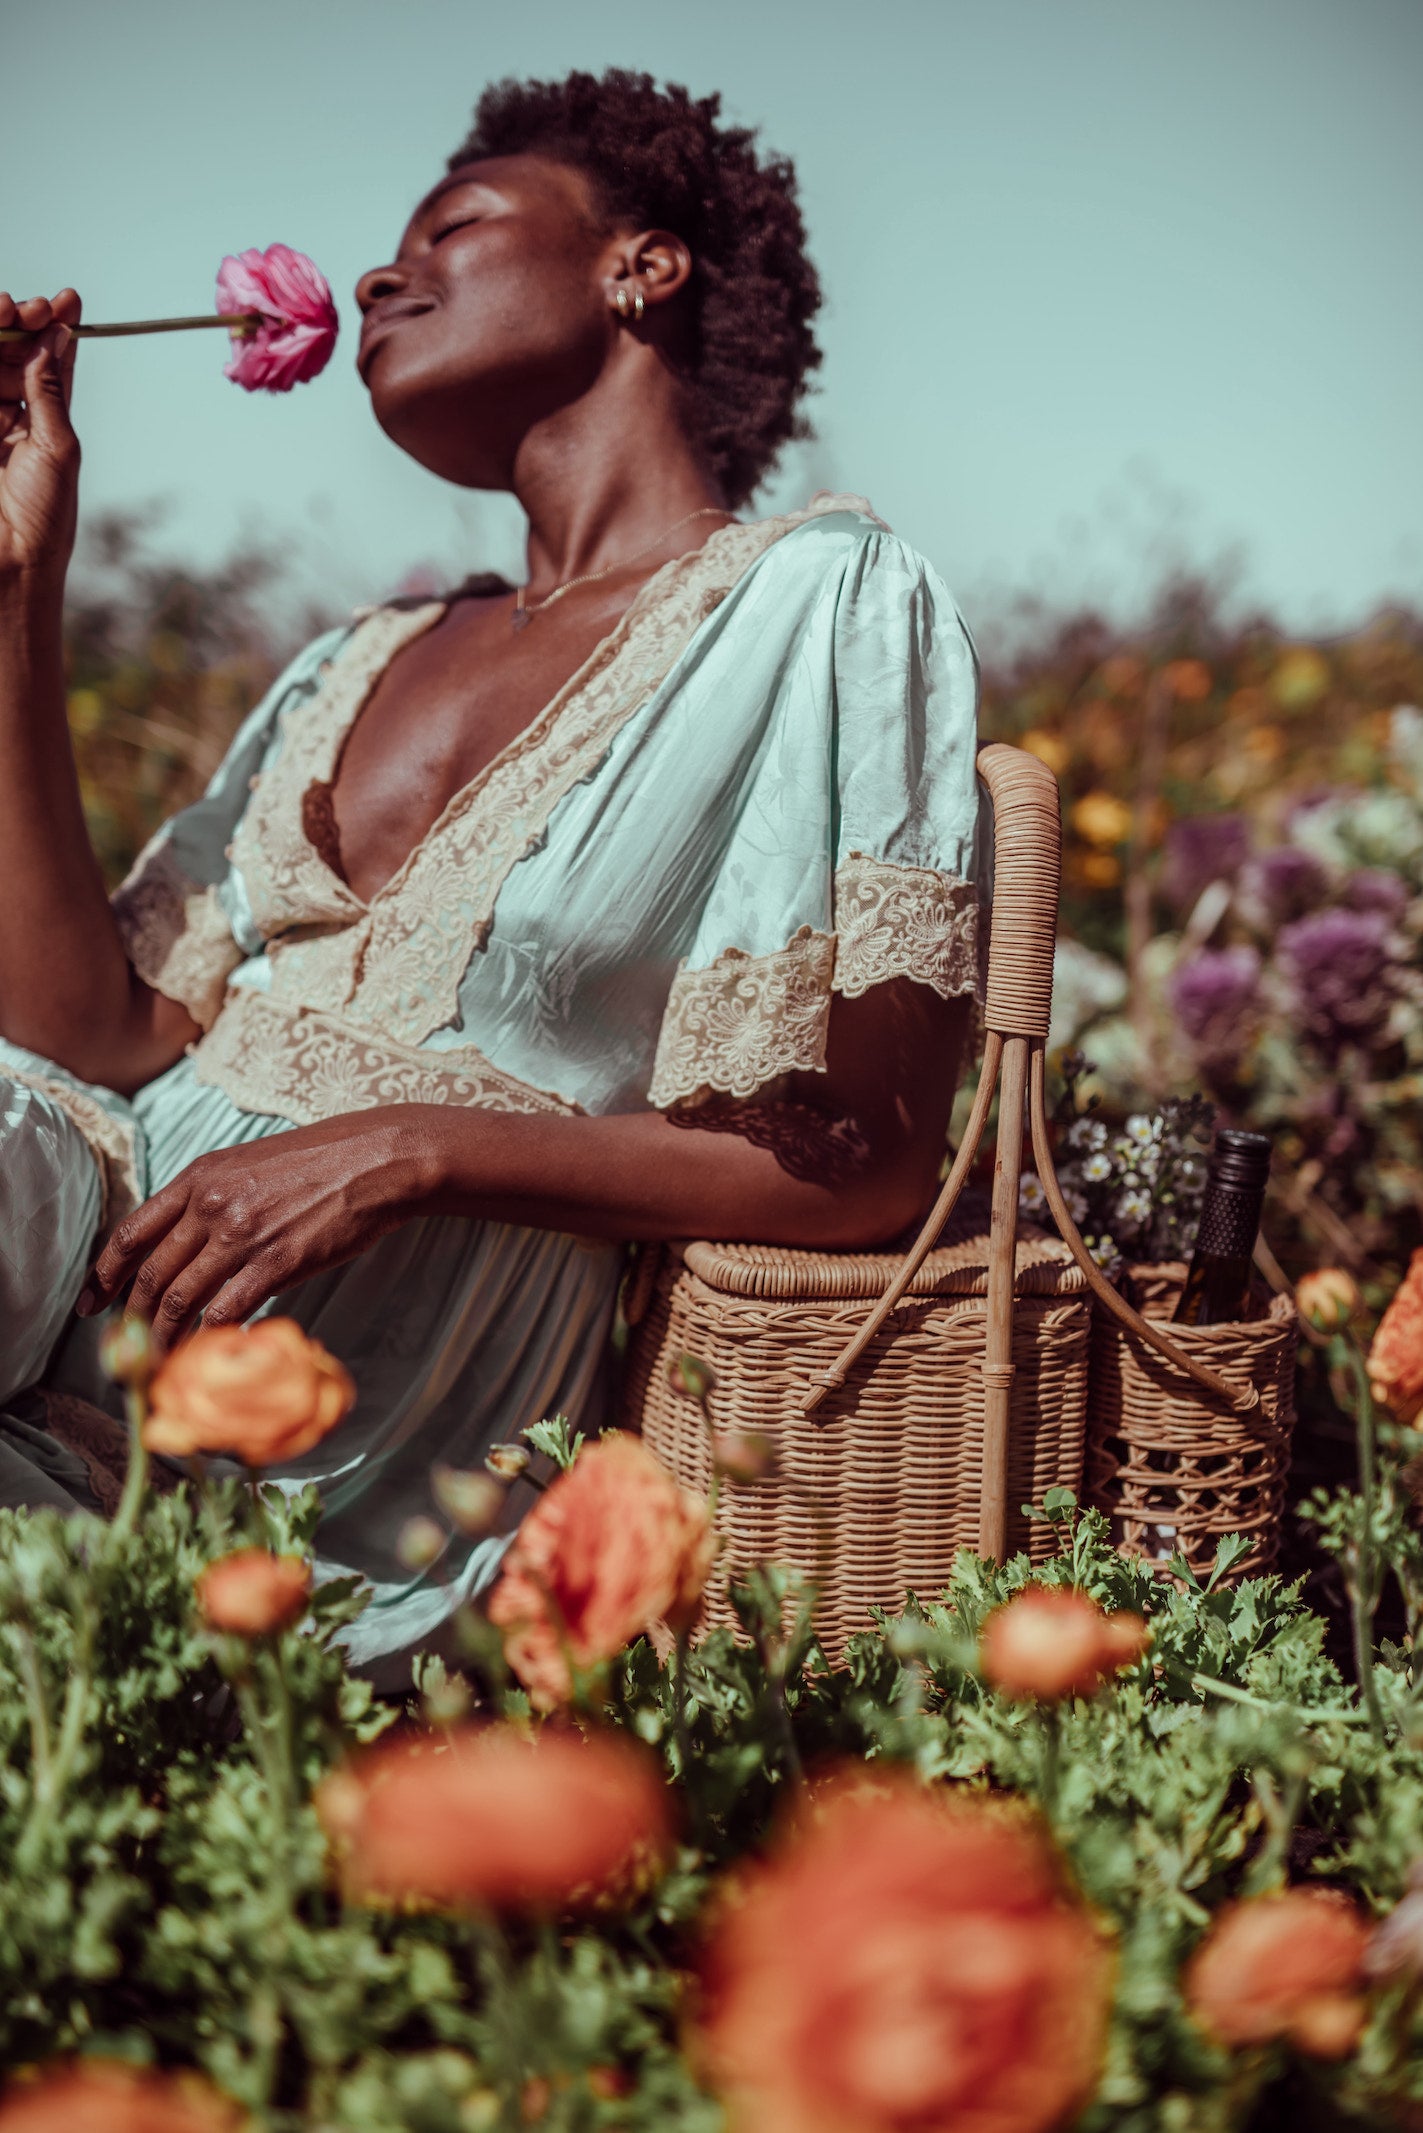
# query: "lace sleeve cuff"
{"points": [[747, 1019], [176, 934]]}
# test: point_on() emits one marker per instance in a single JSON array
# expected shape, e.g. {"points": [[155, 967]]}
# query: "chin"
{"points": [[434, 429]]}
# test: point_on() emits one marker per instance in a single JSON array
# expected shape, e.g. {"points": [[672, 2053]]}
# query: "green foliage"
{"points": [[169, 1893]]}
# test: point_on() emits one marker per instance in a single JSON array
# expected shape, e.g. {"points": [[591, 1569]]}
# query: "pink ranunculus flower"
{"points": [[299, 324]]}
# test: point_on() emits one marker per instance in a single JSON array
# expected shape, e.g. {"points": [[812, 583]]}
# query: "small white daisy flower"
{"points": [[1032, 1197], [1143, 1130], [1096, 1168], [1134, 1208]]}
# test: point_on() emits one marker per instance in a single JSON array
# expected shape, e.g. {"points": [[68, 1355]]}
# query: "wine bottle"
{"points": [[1218, 1283]]}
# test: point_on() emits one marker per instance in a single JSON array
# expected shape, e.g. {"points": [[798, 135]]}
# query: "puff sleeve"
{"points": [[855, 838], [181, 911]]}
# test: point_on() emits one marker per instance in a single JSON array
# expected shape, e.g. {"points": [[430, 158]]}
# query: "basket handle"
{"points": [[1027, 837]]}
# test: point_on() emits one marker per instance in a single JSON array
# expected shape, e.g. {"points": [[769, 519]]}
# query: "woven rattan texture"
{"points": [[1169, 1469], [1027, 845], [875, 1494]]}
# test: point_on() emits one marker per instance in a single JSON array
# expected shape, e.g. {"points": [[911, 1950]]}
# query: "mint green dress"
{"points": [[758, 792]]}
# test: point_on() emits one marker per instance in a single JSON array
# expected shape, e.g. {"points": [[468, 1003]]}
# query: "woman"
{"points": [[632, 902]]}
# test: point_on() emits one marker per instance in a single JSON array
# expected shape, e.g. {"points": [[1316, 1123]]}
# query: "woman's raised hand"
{"points": [[39, 452]]}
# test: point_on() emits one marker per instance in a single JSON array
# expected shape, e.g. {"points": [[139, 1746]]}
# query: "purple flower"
{"points": [[1200, 850], [1376, 889], [1212, 996], [1338, 965], [1282, 885]]}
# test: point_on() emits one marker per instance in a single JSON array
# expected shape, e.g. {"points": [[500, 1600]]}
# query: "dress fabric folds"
{"points": [[758, 792]]}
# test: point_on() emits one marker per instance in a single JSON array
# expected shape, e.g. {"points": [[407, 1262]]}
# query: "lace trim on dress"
{"points": [[176, 933], [436, 912], [396, 964], [303, 1065], [110, 1141], [748, 1019], [289, 882], [745, 1020], [903, 922]]}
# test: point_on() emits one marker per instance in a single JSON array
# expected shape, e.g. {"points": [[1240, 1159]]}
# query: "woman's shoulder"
{"points": [[838, 533], [839, 560]]}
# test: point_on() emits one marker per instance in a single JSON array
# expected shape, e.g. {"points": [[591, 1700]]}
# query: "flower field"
{"points": [[1078, 1846]]}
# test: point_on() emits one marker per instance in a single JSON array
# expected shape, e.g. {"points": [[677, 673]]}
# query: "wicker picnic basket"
{"points": [[878, 1491], [946, 1426], [1172, 1475]]}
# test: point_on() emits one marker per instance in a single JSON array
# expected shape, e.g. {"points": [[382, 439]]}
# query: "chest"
{"points": [[452, 702]]}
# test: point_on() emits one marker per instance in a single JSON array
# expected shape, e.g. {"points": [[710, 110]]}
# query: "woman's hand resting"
{"points": [[236, 1228], [39, 452]]}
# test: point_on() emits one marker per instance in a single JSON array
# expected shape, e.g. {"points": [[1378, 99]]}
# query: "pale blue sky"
{"points": [[1103, 276]]}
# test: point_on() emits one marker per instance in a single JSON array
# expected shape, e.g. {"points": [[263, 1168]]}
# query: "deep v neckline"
{"points": [[538, 729]]}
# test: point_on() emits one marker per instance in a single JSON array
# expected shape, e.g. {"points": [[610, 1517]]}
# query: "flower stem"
{"points": [[1363, 1585], [245, 322], [136, 1478]]}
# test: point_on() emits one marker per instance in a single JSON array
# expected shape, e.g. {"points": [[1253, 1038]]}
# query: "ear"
{"points": [[646, 269]]}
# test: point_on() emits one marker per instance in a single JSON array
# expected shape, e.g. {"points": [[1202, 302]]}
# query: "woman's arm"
{"points": [[66, 987], [848, 1158]]}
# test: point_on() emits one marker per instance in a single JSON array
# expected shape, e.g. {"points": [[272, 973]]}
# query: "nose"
{"points": [[378, 282]]}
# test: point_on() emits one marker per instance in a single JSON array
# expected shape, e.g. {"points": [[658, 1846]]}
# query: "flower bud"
{"points": [[253, 1593], [448, 1701], [1052, 1642], [1327, 1299], [471, 1502], [508, 1461], [690, 1376], [743, 1456], [420, 1542], [126, 1352]]}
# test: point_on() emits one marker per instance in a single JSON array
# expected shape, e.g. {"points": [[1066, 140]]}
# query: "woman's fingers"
{"points": [[130, 1242], [247, 1290], [173, 1287]]}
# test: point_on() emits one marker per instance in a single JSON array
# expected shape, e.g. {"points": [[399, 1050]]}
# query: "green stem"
{"points": [[37, 1710], [1052, 1760], [1363, 1585], [234, 321], [136, 1478], [1341, 1717]]}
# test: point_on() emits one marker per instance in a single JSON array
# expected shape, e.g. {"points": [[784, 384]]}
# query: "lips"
{"points": [[382, 315]]}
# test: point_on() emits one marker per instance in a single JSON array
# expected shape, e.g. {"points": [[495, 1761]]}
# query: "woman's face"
{"points": [[493, 314]]}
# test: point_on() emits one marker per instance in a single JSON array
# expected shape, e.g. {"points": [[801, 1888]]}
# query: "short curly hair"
{"points": [[659, 160]]}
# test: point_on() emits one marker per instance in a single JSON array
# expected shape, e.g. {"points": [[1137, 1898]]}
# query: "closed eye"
{"points": [[447, 229]]}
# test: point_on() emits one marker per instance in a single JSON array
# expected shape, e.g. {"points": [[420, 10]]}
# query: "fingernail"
{"points": [[62, 336], [85, 1304]]}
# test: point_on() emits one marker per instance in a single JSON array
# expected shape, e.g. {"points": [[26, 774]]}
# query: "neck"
{"points": [[601, 478]]}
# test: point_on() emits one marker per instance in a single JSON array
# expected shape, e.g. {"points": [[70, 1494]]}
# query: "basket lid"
{"points": [[1044, 1267]]}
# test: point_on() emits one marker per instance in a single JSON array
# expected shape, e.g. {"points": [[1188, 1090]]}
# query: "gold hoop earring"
{"points": [[621, 304], [639, 304]]}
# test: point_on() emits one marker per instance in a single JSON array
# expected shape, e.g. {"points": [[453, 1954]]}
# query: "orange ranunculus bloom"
{"points": [[613, 1545], [264, 1392], [1396, 1357], [253, 1592], [494, 1818], [108, 2096], [908, 1962], [1327, 1299], [1288, 1965], [1049, 1642]]}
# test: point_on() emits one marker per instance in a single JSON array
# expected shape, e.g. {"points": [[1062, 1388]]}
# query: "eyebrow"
{"points": [[452, 184]]}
